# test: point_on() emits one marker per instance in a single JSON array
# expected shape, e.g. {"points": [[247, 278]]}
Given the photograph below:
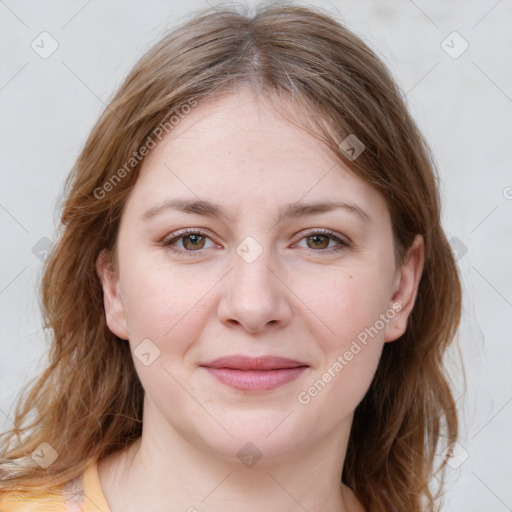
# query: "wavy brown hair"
{"points": [[87, 403]]}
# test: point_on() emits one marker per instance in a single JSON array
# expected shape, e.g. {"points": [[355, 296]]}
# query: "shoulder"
{"points": [[20, 502], [67, 498]]}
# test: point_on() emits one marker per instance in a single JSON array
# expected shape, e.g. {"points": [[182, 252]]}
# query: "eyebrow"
{"points": [[292, 210]]}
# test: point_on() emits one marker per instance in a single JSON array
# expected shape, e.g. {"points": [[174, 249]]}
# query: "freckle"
{"points": [[350, 277]]}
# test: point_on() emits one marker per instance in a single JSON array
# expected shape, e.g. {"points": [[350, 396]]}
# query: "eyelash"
{"points": [[342, 244]]}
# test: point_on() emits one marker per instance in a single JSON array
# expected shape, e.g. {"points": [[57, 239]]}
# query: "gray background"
{"points": [[463, 105]]}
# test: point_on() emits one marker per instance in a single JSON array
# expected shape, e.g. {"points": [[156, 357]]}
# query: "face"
{"points": [[255, 281]]}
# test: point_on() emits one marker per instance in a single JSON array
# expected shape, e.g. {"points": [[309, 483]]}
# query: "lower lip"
{"points": [[256, 380]]}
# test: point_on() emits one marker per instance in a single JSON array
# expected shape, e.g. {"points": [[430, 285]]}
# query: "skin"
{"points": [[298, 299]]}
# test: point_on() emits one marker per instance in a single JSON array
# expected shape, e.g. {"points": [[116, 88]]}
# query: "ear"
{"points": [[405, 289], [112, 297]]}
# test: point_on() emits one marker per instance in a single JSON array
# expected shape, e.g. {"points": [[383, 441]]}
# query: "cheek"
{"points": [[337, 391], [164, 304], [166, 307], [351, 307], [347, 302]]}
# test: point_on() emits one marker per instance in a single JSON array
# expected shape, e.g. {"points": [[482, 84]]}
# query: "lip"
{"points": [[255, 373], [246, 363]]}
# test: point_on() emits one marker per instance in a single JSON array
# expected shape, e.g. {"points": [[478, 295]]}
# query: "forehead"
{"points": [[239, 147], [241, 124]]}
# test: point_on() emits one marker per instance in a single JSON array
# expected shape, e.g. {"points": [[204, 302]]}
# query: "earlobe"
{"points": [[112, 297], [406, 289]]}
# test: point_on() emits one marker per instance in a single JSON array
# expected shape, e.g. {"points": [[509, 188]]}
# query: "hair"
{"points": [[87, 403]]}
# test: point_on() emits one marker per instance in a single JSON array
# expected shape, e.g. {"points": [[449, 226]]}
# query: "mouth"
{"points": [[255, 373]]}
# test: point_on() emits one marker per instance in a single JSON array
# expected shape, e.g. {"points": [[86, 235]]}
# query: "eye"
{"points": [[191, 241], [320, 241]]}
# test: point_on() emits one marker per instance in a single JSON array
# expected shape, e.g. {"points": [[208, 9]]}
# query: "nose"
{"points": [[254, 296]]}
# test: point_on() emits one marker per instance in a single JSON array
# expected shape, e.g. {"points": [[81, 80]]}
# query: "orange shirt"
{"points": [[89, 497]]}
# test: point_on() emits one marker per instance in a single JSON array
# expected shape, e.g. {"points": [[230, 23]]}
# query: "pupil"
{"points": [[316, 241], [192, 240]]}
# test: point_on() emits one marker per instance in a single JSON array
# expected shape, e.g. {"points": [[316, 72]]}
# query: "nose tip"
{"points": [[253, 296]]}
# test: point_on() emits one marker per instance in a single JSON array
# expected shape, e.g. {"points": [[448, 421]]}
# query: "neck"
{"points": [[195, 479]]}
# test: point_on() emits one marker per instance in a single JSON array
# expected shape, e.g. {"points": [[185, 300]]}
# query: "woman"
{"points": [[251, 294]]}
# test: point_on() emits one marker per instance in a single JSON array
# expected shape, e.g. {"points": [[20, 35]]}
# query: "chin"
{"points": [[254, 435]]}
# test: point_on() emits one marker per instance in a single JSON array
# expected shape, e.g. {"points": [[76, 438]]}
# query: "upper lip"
{"points": [[240, 362]]}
